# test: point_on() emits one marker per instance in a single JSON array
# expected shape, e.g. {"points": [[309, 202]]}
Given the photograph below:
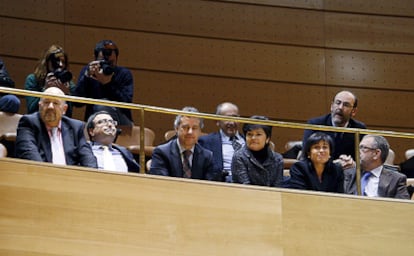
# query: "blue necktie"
{"points": [[364, 182]]}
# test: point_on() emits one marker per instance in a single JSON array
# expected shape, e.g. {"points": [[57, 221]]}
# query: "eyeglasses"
{"points": [[345, 104], [106, 121], [365, 148]]}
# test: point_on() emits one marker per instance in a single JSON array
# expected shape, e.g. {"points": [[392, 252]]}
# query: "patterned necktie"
{"points": [[58, 154], [236, 145], [364, 182], [108, 161], [186, 164]]}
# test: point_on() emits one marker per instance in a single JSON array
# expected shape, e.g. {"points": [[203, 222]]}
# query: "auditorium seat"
{"points": [[8, 129], [3, 150], [129, 137], [409, 153]]}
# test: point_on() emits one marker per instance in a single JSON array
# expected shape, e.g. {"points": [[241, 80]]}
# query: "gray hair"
{"points": [[380, 143], [177, 120]]}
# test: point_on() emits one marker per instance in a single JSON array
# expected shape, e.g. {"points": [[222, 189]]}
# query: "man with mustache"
{"points": [[225, 142], [50, 136], [102, 132], [343, 110]]}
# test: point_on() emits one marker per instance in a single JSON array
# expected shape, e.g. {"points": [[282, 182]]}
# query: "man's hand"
{"points": [[95, 72], [345, 161], [52, 81]]}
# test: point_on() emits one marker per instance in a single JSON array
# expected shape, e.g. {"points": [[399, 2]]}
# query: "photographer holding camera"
{"points": [[50, 71], [103, 79]]}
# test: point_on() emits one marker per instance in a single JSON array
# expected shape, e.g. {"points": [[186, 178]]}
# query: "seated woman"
{"points": [[256, 163], [317, 171]]}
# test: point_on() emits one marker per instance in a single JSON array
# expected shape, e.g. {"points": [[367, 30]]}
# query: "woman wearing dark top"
{"points": [[317, 170], [256, 163]]}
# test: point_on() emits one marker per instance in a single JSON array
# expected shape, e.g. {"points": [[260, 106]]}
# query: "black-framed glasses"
{"points": [[365, 148], [106, 121]]}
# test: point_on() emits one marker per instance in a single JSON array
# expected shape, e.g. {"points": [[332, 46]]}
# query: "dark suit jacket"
{"points": [[212, 142], [132, 165], [166, 161], [407, 167], [33, 142], [303, 176], [344, 142], [391, 183]]}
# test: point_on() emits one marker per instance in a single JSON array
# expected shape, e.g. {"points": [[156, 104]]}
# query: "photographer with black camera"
{"points": [[50, 71], [104, 79]]}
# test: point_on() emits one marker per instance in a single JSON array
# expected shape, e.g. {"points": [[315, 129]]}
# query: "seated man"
{"points": [[225, 142], [377, 180], [182, 156], [49, 136], [102, 131]]}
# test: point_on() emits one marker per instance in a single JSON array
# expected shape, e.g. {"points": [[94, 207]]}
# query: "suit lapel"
{"points": [[176, 162], [384, 182]]}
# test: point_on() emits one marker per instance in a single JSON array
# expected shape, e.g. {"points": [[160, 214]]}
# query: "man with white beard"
{"points": [[102, 132]]}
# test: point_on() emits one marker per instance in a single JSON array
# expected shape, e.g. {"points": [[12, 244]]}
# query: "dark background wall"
{"points": [[283, 59]]}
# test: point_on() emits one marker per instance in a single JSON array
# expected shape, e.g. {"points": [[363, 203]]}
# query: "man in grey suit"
{"points": [[182, 156], [49, 136], [377, 180]]}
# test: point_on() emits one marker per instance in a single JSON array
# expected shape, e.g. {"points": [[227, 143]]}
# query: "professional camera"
{"points": [[63, 75], [60, 73], [106, 67]]}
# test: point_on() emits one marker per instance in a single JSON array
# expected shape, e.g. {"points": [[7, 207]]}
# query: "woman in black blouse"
{"points": [[317, 171]]}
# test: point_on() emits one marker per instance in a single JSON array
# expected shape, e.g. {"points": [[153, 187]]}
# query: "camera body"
{"points": [[56, 58], [106, 67], [63, 75]]}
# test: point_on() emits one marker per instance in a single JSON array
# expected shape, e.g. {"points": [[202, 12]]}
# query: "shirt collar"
{"points": [[224, 137], [183, 149]]}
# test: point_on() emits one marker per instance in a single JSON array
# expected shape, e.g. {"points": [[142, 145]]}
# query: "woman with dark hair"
{"points": [[317, 171], [256, 163], [50, 71]]}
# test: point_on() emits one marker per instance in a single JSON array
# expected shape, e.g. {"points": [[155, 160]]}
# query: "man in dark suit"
{"points": [[182, 156], [377, 180], [49, 136], [102, 132], [343, 109], [225, 142]]}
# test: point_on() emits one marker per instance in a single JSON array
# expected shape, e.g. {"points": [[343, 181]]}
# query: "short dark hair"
{"points": [[105, 44], [315, 138], [266, 128], [90, 124]]}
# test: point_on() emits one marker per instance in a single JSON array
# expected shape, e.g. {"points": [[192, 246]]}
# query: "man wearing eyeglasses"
{"points": [[182, 156], [377, 179], [102, 132], [104, 79], [50, 136], [343, 111]]}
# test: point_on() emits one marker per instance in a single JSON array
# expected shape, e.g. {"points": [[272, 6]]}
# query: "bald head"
{"points": [[52, 110]]}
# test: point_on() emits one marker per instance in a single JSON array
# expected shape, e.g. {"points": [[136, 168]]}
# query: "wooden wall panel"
{"points": [[370, 70], [206, 19], [382, 7], [46, 10], [29, 39], [207, 56], [51, 210], [284, 59], [369, 33]]}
